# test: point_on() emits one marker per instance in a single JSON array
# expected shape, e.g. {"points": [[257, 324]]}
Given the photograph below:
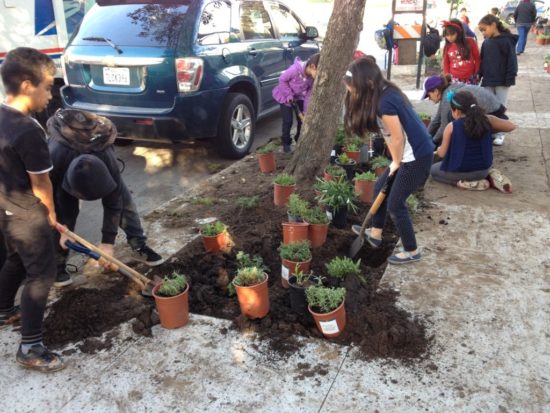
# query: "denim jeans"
{"points": [[523, 31], [129, 220], [287, 113], [452, 178]]}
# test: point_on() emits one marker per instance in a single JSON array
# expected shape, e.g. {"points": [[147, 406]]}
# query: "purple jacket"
{"points": [[294, 85]]}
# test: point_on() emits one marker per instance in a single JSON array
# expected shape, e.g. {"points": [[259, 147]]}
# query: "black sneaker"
{"points": [[40, 358], [147, 256], [10, 318], [62, 279]]}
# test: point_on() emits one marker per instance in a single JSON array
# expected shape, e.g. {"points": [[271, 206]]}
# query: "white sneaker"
{"points": [[499, 139]]}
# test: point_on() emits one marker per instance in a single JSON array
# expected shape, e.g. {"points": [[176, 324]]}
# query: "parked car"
{"points": [[507, 11], [189, 69]]}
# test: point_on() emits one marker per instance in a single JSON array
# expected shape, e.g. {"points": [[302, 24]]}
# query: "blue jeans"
{"points": [[523, 31], [410, 176], [287, 113]]}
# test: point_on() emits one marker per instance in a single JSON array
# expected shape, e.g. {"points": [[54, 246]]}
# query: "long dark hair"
{"points": [[455, 26], [367, 83], [476, 124], [489, 19]]}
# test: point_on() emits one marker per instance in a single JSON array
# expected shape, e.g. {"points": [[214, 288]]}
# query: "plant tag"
{"points": [[329, 327], [329, 215], [284, 272], [333, 153]]}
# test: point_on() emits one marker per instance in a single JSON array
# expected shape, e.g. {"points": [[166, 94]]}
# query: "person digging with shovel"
{"points": [[372, 99], [85, 168]]}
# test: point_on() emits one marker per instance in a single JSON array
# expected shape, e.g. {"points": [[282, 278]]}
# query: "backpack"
{"points": [[383, 36], [432, 42]]}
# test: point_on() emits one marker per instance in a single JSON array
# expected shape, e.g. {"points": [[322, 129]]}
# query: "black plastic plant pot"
{"points": [[294, 218], [350, 170], [339, 217], [297, 294]]}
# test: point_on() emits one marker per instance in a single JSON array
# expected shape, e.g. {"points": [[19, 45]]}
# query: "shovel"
{"points": [[359, 241], [79, 244]]}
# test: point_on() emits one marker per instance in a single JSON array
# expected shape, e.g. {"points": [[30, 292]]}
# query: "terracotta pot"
{"points": [[353, 155], [254, 300], [364, 190], [331, 324], [281, 193], [215, 243], [426, 121], [317, 234], [540, 41], [173, 311], [294, 232], [289, 268], [548, 68], [267, 162], [379, 171]]}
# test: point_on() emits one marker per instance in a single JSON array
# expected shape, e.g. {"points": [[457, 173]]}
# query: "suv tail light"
{"points": [[189, 72]]}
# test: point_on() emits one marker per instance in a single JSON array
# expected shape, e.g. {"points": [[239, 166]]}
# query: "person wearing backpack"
{"points": [[86, 168], [460, 54], [524, 16]]}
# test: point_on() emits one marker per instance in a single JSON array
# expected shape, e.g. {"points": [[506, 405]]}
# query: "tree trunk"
{"points": [[325, 108]]}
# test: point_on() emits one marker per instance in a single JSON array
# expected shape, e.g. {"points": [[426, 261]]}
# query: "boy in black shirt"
{"points": [[27, 212]]}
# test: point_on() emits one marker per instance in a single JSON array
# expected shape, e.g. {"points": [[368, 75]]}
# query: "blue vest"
{"points": [[466, 154]]}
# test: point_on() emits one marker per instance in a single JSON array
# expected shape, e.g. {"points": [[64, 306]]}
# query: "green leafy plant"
{"points": [[314, 215], [379, 162], [173, 285], [248, 276], [335, 171], [412, 203], [202, 201], [344, 159], [340, 135], [424, 115], [212, 229], [325, 299], [245, 260], [337, 195], [302, 278], [296, 251], [547, 58], [365, 176], [341, 267], [248, 202], [296, 205], [284, 179], [268, 148]]}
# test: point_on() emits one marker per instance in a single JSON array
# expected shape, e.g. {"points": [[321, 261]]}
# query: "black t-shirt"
{"points": [[23, 151]]}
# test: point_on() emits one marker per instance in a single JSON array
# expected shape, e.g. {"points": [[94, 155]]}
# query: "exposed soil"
{"points": [[374, 323]]}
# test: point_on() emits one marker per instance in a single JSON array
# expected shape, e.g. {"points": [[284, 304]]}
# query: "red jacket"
{"points": [[456, 66]]}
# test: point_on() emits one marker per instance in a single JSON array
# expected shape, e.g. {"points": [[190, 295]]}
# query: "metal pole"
{"points": [[390, 51], [422, 37]]}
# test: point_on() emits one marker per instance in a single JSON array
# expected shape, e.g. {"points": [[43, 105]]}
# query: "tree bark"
{"points": [[325, 108]]}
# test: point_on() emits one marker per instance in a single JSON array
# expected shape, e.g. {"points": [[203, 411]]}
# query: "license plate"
{"points": [[116, 76]]}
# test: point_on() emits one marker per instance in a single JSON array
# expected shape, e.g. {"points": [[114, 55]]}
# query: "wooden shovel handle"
{"points": [[116, 265]]}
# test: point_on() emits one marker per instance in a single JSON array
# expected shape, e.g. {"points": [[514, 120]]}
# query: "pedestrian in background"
{"points": [[524, 16]]}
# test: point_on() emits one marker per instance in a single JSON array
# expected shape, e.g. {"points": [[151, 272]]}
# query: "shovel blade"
{"points": [[356, 246]]}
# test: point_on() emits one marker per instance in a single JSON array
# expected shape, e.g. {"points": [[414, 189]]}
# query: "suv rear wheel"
{"points": [[237, 126]]}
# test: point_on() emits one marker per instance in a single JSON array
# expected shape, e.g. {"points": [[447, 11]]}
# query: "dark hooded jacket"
{"points": [[499, 64], [71, 134], [525, 13]]}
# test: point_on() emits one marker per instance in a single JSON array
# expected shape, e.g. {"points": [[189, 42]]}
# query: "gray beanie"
{"points": [[88, 178]]}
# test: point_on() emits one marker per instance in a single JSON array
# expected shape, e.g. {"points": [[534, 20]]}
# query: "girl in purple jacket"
{"points": [[295, 85]]}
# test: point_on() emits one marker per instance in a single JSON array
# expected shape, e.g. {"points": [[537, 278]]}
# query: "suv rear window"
{"points": [[133, 25]]}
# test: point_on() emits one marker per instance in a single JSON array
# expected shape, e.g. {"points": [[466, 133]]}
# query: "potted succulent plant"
{"points": [[296, 229], [378, 164], [364, 186], [353, 148], [334, 173], [172, 301], [347, 164], [540, 39], [296, 207], [425, 118], [318, 226], [342, 267], [283, 185], [214, 236], [297, 292], [326, 305], [266, 157], [295, 257], [339, 198], [252, 292]]}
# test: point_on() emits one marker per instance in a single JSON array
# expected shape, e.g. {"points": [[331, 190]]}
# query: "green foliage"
{"points": [[248, 276], [245, 260], [248, 202], [284, 179], [296, 251], [335, 171], [202, 201], [547, 58], [213, 229], [214, 167], [341, 267], [344, 159], [365, 176], [268, 148], [379, 162], [315, 216], [337, 195], [340, 135], [424, 115], [412, 203], [296, 205], [172, 286], [325, 299], [302, 277]]}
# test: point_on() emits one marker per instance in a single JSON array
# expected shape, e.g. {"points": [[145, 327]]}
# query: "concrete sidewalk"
{"points": [[483, 288]]}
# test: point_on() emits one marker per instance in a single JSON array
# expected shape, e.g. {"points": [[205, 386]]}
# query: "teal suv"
{"points": [[184, 69]]}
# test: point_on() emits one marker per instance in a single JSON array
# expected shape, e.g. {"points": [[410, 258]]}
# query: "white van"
{"points": [[45, 25]]}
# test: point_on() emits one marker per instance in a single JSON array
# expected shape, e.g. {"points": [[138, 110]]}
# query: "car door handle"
{"points": [[253, 52]]}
